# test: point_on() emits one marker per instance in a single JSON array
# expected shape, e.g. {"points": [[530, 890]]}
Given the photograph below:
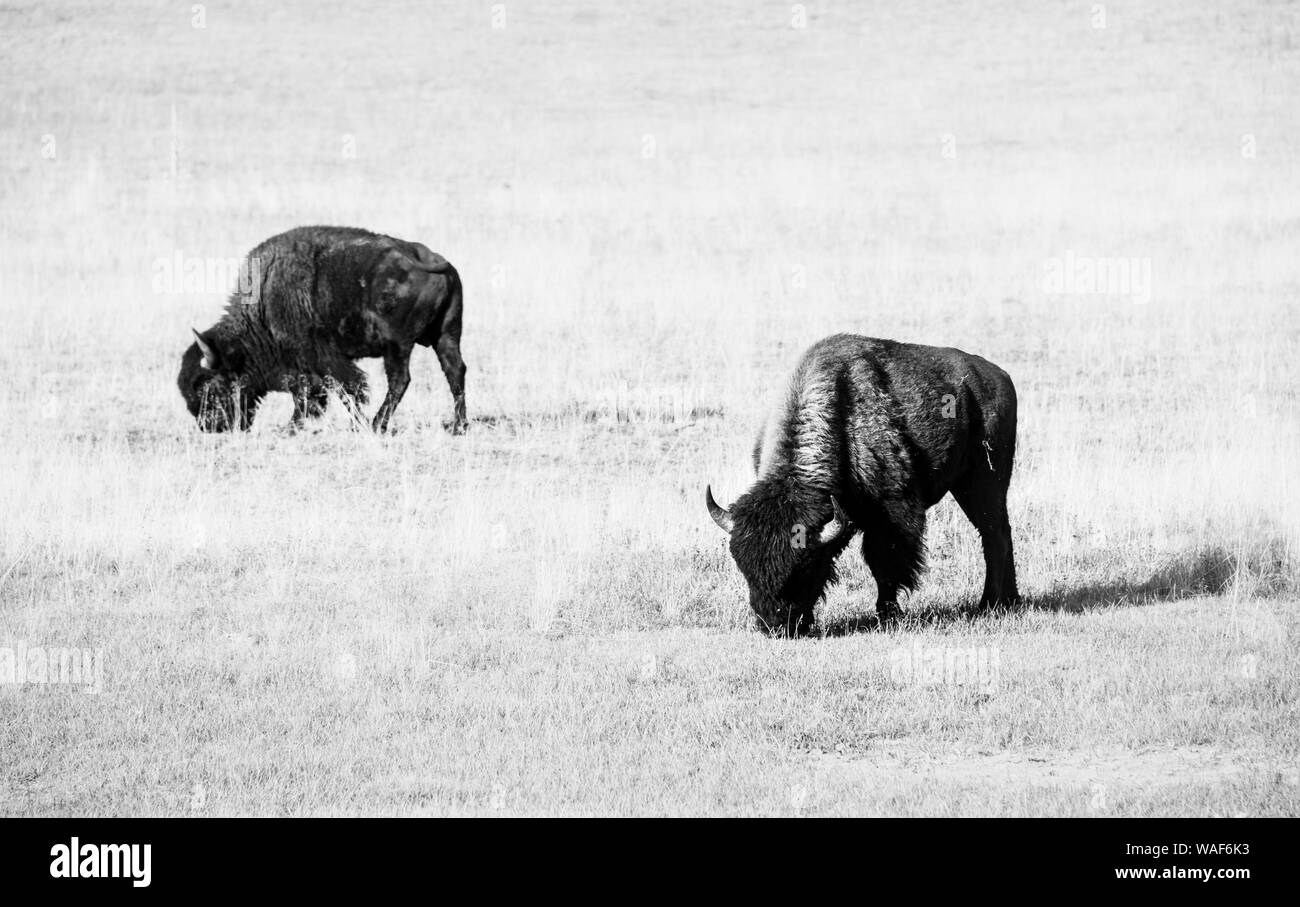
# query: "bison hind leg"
{"points": [[982, 497]]}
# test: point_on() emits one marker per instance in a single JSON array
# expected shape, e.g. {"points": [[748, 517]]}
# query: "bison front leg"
{"points": [[309, 401], [397, 365], [453, 366], [349, 383], [893, 545], [887, 584]]}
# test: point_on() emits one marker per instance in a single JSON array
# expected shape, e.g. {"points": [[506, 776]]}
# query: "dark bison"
{"points": [[869, 434], [314, 300]]}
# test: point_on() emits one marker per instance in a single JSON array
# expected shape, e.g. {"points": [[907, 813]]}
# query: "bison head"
{"points": [[786, 550], [216, 393]]}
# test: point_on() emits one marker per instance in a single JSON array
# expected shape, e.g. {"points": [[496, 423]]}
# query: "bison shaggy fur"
{"points": [[315, 300], [867, 436]]}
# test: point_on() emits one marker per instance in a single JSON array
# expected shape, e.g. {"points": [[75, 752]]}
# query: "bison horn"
{"points": [[837, 529], [720, 514], [209, 354]]}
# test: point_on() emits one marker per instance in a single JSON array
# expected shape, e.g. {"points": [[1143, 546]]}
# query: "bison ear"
{"points": [[837, 528], [210, 358], [720, 514]]}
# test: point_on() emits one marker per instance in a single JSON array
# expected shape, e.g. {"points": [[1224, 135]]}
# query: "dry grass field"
{"points": [[655, 208]]}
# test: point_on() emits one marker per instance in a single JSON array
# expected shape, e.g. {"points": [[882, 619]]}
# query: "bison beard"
{"points": [[869, 435], [327, 296]]}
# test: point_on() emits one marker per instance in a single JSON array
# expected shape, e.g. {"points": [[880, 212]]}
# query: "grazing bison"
{"points": [[869, 434], [317, 299]]}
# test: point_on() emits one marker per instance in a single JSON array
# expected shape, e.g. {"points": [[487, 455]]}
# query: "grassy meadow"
{"points": [[654, 208]]}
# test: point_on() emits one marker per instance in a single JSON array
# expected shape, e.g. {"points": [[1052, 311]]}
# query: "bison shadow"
{"points": [[1189, 574]]}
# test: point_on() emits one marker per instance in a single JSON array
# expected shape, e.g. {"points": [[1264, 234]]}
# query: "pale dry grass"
{"points": [[539, 617]]}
